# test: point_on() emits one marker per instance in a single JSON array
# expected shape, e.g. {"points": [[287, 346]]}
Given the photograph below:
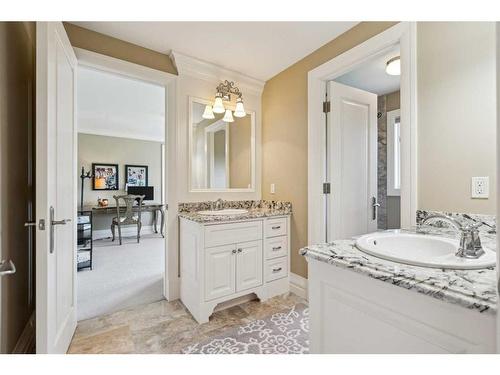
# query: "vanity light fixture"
{"points": [[223, 94], [393, 66]]}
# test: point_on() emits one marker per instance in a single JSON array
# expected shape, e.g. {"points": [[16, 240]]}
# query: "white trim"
{"points": [[128, 231], [298, 285], [168, 81], [403, 33], [193, 67], [391, 160], [253, 146]]}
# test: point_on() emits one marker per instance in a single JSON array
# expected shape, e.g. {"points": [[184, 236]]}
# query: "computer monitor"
{"points": [[148, 191]]}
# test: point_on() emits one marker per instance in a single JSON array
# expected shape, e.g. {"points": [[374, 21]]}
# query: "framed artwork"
{"points": [[105, 176], [136, 175]]}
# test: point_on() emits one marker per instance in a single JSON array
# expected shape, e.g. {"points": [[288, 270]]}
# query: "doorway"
{"points": [[364, 155], [120, 142], [323, 225]]}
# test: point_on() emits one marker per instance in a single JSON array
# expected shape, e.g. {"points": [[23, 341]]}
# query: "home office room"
{"points": [[121, 195]]}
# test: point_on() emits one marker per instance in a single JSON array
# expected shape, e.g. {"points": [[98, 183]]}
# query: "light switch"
{"points": [[273, 189], [480, 187]]}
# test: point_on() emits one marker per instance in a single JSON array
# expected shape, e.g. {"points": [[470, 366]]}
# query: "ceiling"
{"points": [[112, 105], [371, 76], [257, 49]]}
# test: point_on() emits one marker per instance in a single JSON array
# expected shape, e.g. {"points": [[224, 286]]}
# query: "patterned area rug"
{"points": [[285, 332]]}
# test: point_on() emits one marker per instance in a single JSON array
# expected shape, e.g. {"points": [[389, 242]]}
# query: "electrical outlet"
{"points": [[273, 189], [480, 187]]}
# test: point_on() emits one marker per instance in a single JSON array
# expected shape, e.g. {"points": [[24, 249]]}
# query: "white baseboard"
{"points": [[298, 285], [126, 232]]}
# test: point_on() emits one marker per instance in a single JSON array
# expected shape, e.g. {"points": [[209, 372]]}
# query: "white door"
{"points": [[219, 271], [55, 193], [352, 162], [249, 265]]}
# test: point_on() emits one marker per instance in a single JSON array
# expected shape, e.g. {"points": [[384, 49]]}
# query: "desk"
{"points": [[146, 207]]}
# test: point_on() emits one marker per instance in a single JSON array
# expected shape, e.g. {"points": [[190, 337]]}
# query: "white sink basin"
{"points": [[421, 250], [226, 211]]}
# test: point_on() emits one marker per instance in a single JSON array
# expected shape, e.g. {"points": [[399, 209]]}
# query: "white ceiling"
{"points": [[372, 77], [112, 105], [258, 49]]}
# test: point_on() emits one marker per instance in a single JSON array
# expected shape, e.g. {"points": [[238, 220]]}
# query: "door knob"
{"points": [[7, 268], [53, 223], [30, 224], [375, 205]]}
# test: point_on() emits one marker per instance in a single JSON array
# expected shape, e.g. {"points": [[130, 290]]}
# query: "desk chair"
{"points": [[128, 217]]}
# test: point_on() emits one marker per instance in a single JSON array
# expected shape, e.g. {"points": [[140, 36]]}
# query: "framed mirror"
{"points": [[221, 154]]}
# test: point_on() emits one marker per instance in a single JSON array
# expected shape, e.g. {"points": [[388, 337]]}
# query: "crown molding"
{"points": [[190, 66]]}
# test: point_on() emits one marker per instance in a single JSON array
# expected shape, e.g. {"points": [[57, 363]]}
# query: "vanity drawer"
{"points": [[276, 268], [276, 247], [276, 227], [223, 234]]}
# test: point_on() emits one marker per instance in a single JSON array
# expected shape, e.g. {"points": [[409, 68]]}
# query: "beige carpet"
{"points": [[122, 276]]}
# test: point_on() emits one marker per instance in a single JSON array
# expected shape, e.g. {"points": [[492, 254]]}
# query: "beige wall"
{"points": [[284, 132], [121, 151], [107, 45], [456, 114], [17, 76]]}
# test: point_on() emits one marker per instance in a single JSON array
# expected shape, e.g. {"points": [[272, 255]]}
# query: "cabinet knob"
{"points": [[240, 250], [234, 251], [276, 227]]}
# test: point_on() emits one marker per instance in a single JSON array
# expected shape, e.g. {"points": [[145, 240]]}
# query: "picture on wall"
{"points": [[105, 176], [137, 175]]}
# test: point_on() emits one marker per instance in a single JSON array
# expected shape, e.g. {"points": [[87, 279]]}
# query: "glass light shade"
{"points": [[240, 110], [218, 106], [208, 113], [228, 117], [393, 66]]}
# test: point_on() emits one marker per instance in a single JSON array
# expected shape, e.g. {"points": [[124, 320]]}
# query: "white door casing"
{"points": [[55, 180], [249, 266], [220, 267], [352, 161]]}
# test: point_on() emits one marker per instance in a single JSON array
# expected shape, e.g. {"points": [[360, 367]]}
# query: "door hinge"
{"points": [[326, 107], [326, 188]]}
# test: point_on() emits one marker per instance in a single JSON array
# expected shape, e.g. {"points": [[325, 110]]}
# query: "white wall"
{"points": [[456, 114]]}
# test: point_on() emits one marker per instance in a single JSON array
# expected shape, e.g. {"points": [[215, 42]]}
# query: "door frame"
{"points": [[113, 65], [404, 34]]}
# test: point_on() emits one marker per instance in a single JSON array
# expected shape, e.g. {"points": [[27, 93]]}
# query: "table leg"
{"points": [[162, 228], [155, 217]]}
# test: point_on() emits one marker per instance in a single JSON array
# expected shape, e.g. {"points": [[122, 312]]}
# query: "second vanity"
{"points": [[239, 249], [361, 303]]}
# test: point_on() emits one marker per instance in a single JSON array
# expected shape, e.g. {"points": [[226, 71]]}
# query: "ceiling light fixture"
{"points": [[393, 66], [223, 94]]}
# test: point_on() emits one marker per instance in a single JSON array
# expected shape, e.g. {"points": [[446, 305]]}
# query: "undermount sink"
{"points": [[421, 250], [226, 211]]}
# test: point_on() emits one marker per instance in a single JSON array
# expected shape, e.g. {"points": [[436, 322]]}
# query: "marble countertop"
{"points": [[253, 213], [473, 289]]}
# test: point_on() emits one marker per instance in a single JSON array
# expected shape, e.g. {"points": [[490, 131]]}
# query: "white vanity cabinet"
{"points": [[223, 261]]}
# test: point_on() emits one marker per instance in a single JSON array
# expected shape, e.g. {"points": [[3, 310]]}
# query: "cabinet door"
{"points": [[249, 265], [219, 271]]}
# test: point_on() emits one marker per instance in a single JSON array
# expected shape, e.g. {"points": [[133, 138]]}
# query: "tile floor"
{"points": [[165, 327]]}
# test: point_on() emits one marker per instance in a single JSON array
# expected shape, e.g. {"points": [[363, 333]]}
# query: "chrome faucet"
{"points": [[470, 243], [218, 204]]}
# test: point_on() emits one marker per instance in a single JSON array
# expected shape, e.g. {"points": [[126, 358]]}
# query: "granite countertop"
{"points": [[256, 210], [473, 289]]}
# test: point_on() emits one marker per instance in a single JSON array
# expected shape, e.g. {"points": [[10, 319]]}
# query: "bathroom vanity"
{"points": [[232, 253], [360, 303]]}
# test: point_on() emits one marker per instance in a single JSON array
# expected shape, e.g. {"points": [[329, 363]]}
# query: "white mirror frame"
{"points": [[250, 113]]}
